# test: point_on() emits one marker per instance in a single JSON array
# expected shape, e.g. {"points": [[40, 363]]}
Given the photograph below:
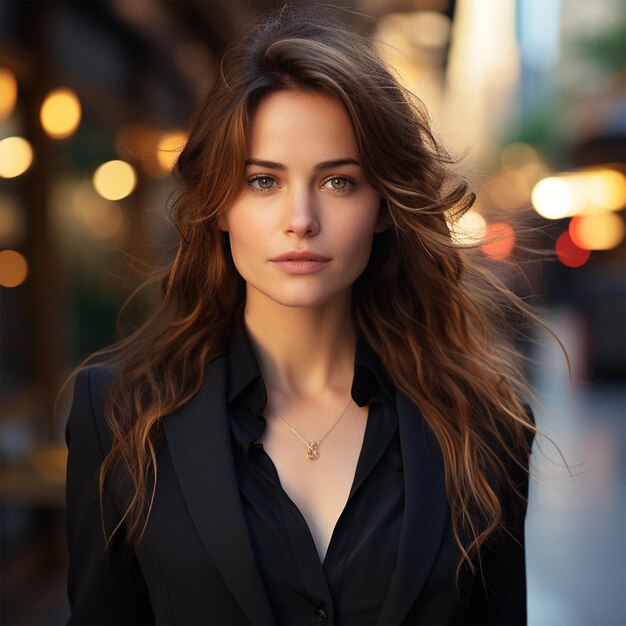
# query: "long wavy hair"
{"points": [[442, 324]]}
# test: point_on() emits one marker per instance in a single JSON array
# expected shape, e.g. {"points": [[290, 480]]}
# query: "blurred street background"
{"points": [[94, 101]]}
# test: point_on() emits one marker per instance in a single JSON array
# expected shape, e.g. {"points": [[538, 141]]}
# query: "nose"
{"points": [[300, 213]]}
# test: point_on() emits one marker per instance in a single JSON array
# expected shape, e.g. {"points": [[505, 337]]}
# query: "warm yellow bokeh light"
{"points": [[603, 189], [597, 231], [8, 92], [13, 268], [593, 190], [470, 229], [428, 29], [103, 219], [60, 113], [552, 198], [16, 156], [170, 145], [115, 180]]}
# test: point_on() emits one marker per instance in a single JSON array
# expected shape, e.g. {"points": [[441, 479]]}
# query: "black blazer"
{"points": [[196, 565]]}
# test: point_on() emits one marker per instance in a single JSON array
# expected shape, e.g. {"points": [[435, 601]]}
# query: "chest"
{"points": [[319, 488]]}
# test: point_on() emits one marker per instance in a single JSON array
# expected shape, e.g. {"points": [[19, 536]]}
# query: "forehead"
{"points": [[301, 125]]}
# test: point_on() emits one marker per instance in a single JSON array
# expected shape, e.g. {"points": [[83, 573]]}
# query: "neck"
{"points": [[303, 351]]}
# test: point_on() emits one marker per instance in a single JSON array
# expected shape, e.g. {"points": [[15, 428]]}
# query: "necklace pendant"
{"points": [[312, 452]]}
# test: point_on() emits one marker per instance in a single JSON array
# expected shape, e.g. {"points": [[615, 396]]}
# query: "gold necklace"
{"points": [[312, 447]]}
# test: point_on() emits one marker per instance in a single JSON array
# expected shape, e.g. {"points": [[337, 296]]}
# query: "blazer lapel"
{"points": [[198, 438], [425, 511]]}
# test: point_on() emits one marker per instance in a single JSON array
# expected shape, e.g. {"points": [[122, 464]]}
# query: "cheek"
{"points": [[361, 251], [247, 239], [355, 251], [358, 233], [241, 227], [243, 244]]}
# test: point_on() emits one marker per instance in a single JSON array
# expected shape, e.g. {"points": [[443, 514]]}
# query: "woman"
{"points": [[322, 422]]}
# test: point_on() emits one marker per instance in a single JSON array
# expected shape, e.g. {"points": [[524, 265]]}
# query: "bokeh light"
{"points": [[170, 145], [593, 190], [115, 180], [16, 156], [597, 231], [569, 253], [13, 268], [603, 189], [8, 92], [552, 198], [102, 218], [60, 113], [429, 29], [500, 241], [470, 229]]}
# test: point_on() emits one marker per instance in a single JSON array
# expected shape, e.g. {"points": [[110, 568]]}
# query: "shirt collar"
{"points": [[370, 384]]}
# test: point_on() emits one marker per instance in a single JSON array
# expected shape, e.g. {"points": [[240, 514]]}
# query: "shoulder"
{"points": [[93, 384], [97, 377], [86, 418]]}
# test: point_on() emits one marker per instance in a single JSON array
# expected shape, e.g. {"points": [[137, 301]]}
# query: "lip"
{"points": [[300, 255], [300, 262], [295, 266]]}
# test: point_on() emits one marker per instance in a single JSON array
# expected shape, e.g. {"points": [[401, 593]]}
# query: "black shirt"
{"points": [[351, 585]]}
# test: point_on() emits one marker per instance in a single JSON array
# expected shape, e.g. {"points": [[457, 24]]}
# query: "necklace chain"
{"points": [[312, 446]]}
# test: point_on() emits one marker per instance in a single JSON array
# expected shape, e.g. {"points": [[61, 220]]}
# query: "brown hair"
{"points": [[437, 318]]}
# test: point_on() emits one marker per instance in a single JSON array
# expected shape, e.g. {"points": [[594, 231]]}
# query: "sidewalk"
{"points": [[576, 526]]}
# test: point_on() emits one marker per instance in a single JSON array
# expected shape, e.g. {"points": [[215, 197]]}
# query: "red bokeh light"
{"points": [[569, 253]]}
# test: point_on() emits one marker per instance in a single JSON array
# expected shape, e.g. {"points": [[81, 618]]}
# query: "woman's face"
{"points": [[294, 199]]}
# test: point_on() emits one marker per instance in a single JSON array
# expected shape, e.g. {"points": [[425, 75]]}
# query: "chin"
{"points": [[300, 300], [300, 297]]}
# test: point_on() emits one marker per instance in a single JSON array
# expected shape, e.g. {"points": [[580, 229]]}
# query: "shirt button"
{"points": [[321, 616]]}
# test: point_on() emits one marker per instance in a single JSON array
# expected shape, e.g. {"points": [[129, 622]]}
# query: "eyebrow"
{"points": [[324, 165]]}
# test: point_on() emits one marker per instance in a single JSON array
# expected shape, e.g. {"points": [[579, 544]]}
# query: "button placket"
{"points": [[321, 616]]}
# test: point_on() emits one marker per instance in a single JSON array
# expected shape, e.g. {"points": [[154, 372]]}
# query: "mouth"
{"points": [[301, 265], [301, 255]]}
